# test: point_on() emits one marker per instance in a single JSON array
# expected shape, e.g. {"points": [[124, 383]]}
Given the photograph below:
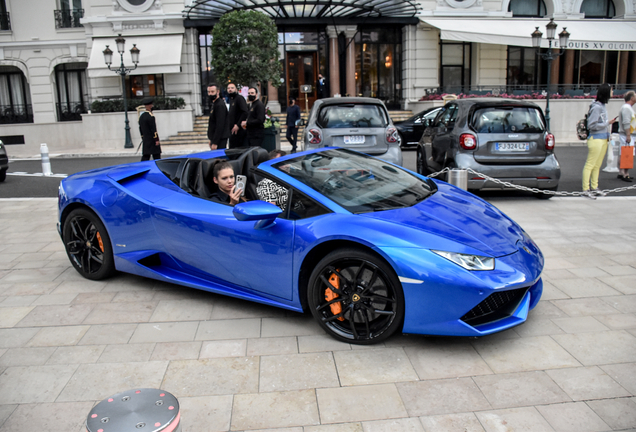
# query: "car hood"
{"points": [[460, 217]]}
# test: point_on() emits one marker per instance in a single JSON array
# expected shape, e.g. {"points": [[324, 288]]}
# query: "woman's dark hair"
{"points": [[221, 166], [604, 93]]}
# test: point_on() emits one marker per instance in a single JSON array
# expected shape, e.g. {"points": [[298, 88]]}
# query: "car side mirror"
{"points": [[300, 122], [419, 121], [262, 212]]}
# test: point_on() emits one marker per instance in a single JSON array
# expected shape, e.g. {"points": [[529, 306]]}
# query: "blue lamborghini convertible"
{"points": [[368, 247]]}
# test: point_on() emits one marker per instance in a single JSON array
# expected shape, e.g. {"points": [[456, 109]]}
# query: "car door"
{"points": [[442, 140], [206, 238]]}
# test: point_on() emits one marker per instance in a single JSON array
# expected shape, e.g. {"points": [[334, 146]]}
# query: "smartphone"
{"points": [[241, 181]]}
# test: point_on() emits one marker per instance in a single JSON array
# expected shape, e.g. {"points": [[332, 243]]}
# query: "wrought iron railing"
{"points": [[5, 21], [558, 90], [71, 111], [10, 114], [68, 18]]}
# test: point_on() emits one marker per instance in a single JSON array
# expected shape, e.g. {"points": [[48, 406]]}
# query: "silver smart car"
{"points": [[505, 139], [357, 123]]}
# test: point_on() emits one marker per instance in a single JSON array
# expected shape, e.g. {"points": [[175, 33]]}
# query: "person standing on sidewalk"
{"points": [[236, 115], [255, 123], [293, 115], [148, 131], [625, 120], [218, 130], [597, 124]]}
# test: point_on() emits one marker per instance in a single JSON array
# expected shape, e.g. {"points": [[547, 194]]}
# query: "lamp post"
{"points": [[549, 55], [123, 71]]}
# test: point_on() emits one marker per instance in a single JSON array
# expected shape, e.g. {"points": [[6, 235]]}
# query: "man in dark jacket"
{"points": [[255, 119], [293, 115], [218, 128], [148, 131], [321, 87], [236, 116]]}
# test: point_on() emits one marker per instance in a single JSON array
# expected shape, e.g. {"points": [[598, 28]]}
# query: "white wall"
{"points": [[101, 132], [490, 64]]}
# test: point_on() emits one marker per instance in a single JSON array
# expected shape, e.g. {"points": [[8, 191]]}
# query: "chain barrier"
{"points": [[532, 189]]}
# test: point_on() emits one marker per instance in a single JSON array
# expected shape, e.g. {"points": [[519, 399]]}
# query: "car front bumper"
{"points": [[545, 175]]}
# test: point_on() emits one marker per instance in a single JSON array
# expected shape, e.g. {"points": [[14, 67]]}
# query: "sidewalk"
{"points": [[67, 343]]}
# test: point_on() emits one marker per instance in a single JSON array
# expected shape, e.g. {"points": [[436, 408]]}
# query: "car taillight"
{"points": [[315, 137], [549, 142], [392, 135], [468, 141]]}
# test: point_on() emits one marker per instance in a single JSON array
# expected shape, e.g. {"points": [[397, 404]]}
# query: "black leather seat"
{"points": [[205, 185], [189, 176]]}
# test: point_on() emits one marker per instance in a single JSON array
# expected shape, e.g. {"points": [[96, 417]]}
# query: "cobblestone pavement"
{"points": [[67, 343]]}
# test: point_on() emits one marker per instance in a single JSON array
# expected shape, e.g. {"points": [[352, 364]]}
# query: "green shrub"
{"points": [[117, 105]]}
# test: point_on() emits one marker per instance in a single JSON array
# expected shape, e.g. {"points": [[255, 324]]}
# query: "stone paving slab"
{"points": [[66, 343]]}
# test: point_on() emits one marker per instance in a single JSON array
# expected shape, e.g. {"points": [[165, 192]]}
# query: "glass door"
{"points": [[301, 70]]}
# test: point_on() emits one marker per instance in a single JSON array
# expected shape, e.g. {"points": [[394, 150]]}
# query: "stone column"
{"points": [[350, 32], [554, 74], [334, 62], [272, 99], [568, 71], [622, 67]]}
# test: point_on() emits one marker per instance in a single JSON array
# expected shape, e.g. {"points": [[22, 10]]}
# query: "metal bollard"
{"points": [[46, 162], [137, 410], [459, 178]]}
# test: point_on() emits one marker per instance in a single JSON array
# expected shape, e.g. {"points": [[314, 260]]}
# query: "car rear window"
{"points": [[352, 115], [507, 120]]}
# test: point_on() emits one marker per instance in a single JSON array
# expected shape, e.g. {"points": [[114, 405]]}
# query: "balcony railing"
{"points": [[557, 90], [10, 114], [71, 111], [68, 18], [5, 21]]}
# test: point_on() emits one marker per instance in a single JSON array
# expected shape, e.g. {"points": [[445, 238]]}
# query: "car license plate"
{"points": [[512, 146], [354, 139]]}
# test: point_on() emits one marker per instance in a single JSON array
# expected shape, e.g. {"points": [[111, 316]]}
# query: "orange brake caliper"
{"points": [[336, 308], [101, 243]]}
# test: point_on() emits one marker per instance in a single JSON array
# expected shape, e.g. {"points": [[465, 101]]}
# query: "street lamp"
{"points": [[551, 28], [122, 71]]}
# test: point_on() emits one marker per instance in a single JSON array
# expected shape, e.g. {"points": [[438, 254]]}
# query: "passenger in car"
{"points": [[224, 178], [270, 191]]}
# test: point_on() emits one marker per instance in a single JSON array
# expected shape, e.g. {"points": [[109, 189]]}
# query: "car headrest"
{"points": [[259, 155], [205, 185]]}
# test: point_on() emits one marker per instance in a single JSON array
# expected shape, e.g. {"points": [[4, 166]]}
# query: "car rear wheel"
{"points": [[3, 175], [356, 297], [88, 245], [422, 167]]}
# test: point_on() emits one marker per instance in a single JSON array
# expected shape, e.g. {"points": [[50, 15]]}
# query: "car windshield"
{"points": [[358, 182], [508, 120], [351, 115]]}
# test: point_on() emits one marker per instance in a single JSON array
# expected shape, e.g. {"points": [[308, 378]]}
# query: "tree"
{"points": [[245, 48]]}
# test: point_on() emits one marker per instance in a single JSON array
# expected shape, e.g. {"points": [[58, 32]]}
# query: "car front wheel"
{"points": [[3, 175], [88, 245], [356, 297]]}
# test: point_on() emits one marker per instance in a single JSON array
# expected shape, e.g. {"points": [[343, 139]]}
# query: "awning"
{"points": [[159, 54], [585, 34]]}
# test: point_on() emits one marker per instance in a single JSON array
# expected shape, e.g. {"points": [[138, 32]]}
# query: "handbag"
{"points": [[627, 157]]}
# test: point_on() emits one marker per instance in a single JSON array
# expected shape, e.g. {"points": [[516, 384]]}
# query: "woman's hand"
{"points": [[235, 195]]}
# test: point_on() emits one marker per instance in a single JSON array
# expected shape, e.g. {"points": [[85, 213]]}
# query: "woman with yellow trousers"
{"points": [[598, 135]]}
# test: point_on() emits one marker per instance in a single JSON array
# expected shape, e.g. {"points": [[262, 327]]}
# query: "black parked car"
{"points": [[411, 129], [4, 162], [502, 138]]}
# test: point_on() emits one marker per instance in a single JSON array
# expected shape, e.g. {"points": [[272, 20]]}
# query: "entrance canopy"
{"points": [[585, 34], [315, 10], [158, 55]]}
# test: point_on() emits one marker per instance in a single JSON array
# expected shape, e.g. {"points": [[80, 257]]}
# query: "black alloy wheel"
{"points": [[356, 297], [422, 167], [3, 175], [88, 245]]}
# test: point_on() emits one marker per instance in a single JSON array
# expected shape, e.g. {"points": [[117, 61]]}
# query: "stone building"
{"points": [[52, 66]]}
